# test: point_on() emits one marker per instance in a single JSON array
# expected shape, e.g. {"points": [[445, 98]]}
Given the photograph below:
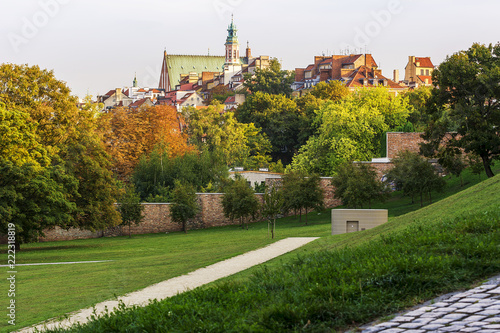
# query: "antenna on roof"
{"points": [[208, 51]]}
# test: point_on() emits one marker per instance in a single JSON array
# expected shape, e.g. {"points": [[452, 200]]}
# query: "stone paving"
{"points": [[476, 310]]}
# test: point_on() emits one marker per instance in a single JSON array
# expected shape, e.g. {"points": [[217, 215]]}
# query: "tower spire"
{"points": [[232, 44]]}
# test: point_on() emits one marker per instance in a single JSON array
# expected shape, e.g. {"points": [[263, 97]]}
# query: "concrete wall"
{"points": [[342, 219]]}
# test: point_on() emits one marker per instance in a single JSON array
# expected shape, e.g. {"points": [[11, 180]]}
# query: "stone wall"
{"points": [[399, 141]]}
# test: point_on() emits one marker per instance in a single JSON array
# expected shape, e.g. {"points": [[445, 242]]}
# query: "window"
{"points": [[421, 72], [427, 72]]}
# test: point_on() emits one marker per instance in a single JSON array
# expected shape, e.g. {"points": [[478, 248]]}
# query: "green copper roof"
{"points": [[184, 64], [231, 34]]}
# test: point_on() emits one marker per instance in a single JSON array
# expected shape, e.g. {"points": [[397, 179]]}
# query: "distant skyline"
{"points": [[95, 46]]}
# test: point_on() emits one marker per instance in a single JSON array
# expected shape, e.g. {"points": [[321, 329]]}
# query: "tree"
{"points": [[270, 80], [278, 118], [128, 134], [332, 91], [350, 130], [155, 175], [418, 100], [184, 204], [240, 144], [34, 199], [68, 136], [468, 94], [414, 175], [302, 192], [357, 184], [272, 206], [239, 201], [130, 208]]}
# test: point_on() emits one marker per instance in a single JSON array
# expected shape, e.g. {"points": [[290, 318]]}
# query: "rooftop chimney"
{"points": [[396, 75]]}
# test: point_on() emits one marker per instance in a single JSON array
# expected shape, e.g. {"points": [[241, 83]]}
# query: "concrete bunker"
{"points": [[352, 220]]}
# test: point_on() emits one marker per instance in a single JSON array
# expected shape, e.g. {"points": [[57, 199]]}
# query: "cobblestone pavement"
{"points": [[476, 310]]}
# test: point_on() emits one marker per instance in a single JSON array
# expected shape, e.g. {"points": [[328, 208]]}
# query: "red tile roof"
{"points": [[310, 67], [423, 77], [138, 103], [187, 86], [230, 99], [110, 93], [424, 62]]}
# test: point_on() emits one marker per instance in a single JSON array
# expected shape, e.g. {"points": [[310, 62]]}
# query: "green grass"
{"points": [[341, 281], [44, 292]]}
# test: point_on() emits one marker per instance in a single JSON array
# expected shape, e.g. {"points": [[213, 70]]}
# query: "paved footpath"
{"points": [[183, 283], [476, 310]]}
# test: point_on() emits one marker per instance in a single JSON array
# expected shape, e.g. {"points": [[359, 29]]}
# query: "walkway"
{"points": [[183, 283], [476, 310]]}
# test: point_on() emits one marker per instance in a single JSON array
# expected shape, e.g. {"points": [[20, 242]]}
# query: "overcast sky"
{"points": [[97, 45]]}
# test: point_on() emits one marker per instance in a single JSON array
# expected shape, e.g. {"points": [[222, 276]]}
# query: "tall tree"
{"points": [[351, 130], [130, 134], [278, 117], [241, 144], [184, 204], [468, 95], [302, 191], [270, 80]]}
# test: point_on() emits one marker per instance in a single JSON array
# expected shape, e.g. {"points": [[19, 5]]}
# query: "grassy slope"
{"points": [[341, 280]]}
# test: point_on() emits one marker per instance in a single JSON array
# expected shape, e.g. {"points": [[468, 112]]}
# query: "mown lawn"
{"points": [[45, 292], [342, 281]]}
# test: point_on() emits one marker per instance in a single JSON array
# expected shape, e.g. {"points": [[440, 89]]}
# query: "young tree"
{"points": [[130, 208], [468, 94], [302, 192], [414, 175], [272, 206], [184, 204], [239, 201], [357, 184]]}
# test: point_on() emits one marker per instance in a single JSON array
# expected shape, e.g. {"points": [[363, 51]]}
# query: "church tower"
{"points": [[232, 45]]}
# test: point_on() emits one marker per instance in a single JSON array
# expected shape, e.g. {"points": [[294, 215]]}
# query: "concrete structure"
{"points": [[352, 220], [253, 177]]}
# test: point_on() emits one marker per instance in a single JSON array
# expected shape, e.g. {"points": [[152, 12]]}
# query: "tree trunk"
{"points": [[17, 245], [487, 166], [300, 215], [184, 227], [272, 229], [306, 215], [129, 232]]}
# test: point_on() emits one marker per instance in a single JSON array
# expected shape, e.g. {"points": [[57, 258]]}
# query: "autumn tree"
{"points": [[272, 80], [129, 134], [468, 95], [184, 204]]}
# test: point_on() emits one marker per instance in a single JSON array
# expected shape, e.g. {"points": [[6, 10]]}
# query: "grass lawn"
{"points": [[44, 292]]}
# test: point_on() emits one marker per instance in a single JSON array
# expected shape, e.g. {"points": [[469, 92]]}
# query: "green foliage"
{"points": [[240, 144], [414, 175], [130, 207], [273, 206], [155, 175], [331, 91], [302, 191], [184, 204], [19, 141], [239, 201], [278, 118], [270, 80], [468, 96], [350, 130], [418, 100], [358, 184], [34, 199]]}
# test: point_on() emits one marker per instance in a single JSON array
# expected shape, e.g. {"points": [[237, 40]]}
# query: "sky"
{"points": [[95, 45]]}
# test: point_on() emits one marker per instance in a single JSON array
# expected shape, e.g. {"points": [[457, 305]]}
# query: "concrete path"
{"points": [[183, 283], [476, 310]]}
